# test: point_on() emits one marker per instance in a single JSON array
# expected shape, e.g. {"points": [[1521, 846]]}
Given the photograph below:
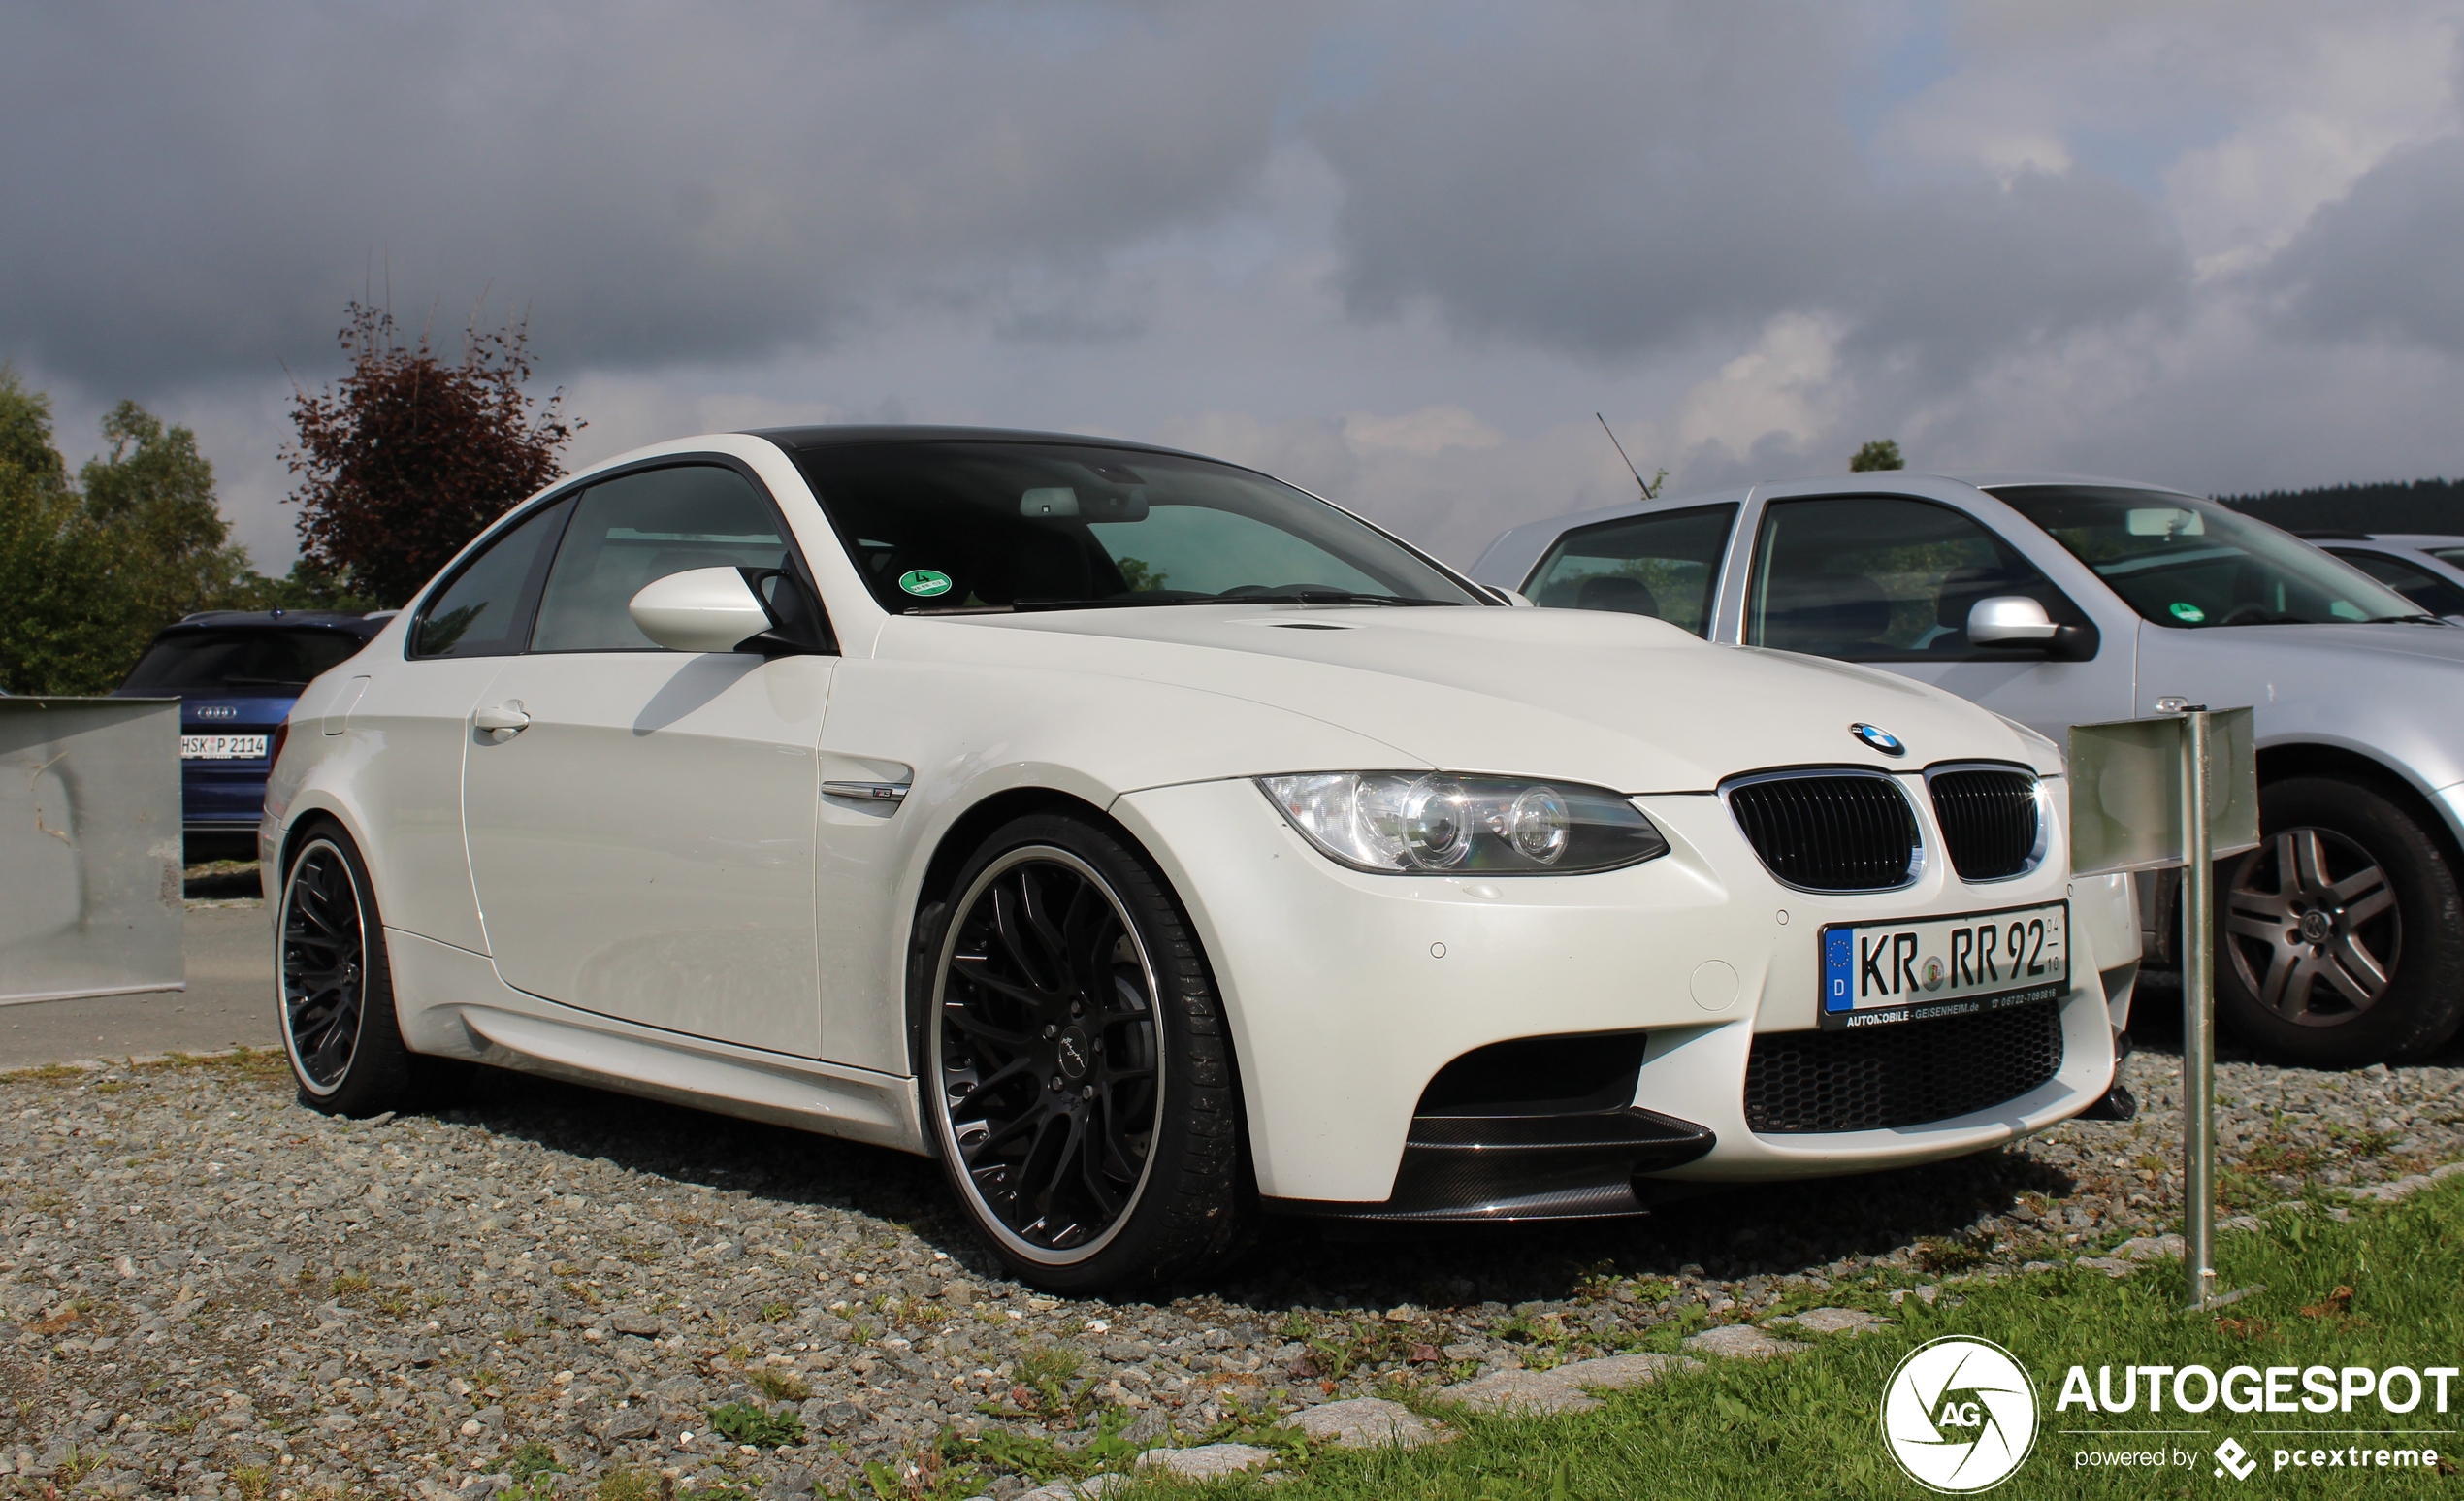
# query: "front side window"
{"points": [[1882, 578], [645, 526], [1666, 565], [2187, 564], [942, 526], [2454, 555], [484, 610], [270, 662], [2418, 584]]}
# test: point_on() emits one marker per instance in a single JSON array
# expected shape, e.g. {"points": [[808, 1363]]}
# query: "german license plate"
{"points": [[222, 747], [1875, 974]]}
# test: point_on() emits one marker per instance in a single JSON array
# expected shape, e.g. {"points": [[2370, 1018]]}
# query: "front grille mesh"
{"points": [[1988, 821], [1907, 1073], [1830, 832]]}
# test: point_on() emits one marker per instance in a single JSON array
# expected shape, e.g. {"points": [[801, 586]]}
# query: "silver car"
{"points": [[2060, 601], [2428, 570]]}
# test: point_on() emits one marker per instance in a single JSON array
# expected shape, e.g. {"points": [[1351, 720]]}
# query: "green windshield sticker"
{"points": [[923, 582], [2183, 609]]}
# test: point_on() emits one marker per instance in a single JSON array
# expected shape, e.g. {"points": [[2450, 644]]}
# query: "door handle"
{"points": [[503, 723]]}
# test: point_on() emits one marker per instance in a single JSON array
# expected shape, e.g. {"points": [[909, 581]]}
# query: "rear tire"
{"points": [[2340, 940], [1076, 1067], [335, 985]]}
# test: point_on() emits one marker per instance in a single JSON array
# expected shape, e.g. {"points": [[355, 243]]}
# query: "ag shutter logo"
{"points": [[1959, 1415]]}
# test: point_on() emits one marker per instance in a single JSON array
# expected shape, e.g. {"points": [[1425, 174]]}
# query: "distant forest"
{"points": [[2397, 505]]}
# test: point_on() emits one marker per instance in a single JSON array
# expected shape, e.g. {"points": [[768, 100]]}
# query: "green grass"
{"points": [[1807, 1426], [742, 1422]]}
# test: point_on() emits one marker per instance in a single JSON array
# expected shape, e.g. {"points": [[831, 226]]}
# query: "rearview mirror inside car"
{"points": [[2165, 521], [1054, 503]]}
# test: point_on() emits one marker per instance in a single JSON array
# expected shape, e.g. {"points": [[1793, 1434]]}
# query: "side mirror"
{"points": [[2010, 620], [700, 609]]}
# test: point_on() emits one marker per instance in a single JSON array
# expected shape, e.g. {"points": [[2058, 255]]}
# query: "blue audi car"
{"points": [[236, 673]]}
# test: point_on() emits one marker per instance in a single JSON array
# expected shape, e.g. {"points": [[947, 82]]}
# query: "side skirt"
{"points": [[452, 1004]]}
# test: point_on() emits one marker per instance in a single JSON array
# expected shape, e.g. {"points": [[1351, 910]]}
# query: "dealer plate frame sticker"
{"points": [[1935, 968]]}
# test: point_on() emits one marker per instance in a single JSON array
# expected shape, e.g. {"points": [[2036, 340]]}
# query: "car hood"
{"points": [[1615, 701]]}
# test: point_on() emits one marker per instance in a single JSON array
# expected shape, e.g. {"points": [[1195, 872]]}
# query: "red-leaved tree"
{"points": [[408, 457]]}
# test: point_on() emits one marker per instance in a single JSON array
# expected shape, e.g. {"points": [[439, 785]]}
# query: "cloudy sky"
{"points": [[1396, 252]]}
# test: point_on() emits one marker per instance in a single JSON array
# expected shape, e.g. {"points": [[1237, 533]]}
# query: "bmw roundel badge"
{"points": [[1878, 739]]}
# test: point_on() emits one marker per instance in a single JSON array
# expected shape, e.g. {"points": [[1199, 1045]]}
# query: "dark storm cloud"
{"points": [[1605, 179], [2383, 262], [195, 191]]}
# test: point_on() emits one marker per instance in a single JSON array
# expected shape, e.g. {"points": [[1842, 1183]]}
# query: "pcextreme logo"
{"points": [[1960, 1414], [2231, 1455]]}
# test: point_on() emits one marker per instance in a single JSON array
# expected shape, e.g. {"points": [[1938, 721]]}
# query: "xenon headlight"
{"points": [[1407, 822]]}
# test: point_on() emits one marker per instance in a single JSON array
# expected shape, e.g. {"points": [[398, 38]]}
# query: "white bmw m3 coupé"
{"points": [[1155, 845]]}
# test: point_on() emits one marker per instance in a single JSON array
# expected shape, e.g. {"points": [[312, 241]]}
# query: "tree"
{"points": [[52, 569], [152, 492], [91, 576], [406, 458], [1881, 453]]}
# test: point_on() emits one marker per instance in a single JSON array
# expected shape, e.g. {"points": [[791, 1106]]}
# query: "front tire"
{"points": [[337, 987], [1078, 1073], [2340, 940]]}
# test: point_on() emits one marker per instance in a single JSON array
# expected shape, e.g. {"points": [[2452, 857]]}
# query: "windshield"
{"points": [[2189, 564], [944, 526], [246, 662]]}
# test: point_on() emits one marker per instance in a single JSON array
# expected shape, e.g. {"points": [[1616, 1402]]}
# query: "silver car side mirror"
{"points": [[2009, 620], [700, 609]]}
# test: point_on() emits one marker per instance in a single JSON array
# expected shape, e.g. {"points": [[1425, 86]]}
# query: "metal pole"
{"points": [[2198, 1017]]}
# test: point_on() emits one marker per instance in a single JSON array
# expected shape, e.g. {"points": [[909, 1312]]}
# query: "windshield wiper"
{"points": [[1326, 596], [263, 682], [1131, 601], [2417, 618], [1155, 597]]}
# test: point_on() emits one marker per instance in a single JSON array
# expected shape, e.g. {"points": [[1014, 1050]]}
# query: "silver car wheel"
{"points": [[2314, 928]]}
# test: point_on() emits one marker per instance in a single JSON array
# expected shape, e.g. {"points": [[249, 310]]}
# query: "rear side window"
{"points": [[1882, 578], [1666, 565], [2418, 584], [274, 661], [484, 610], [645, 526]]}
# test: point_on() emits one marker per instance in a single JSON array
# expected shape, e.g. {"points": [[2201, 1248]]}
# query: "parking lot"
{"points": [[229, 961], [215, 1291]]}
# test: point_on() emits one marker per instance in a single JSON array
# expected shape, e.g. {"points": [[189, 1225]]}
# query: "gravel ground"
{"points": [[206, 1290]]}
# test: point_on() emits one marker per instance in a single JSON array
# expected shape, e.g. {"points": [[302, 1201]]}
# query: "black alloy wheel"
{"points": [[336, 989], [324, 967], [1077, 1065], [2338, 938]]}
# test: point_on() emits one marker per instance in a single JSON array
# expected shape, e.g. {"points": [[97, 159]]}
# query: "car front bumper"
{"points": [[1347, 993]]}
